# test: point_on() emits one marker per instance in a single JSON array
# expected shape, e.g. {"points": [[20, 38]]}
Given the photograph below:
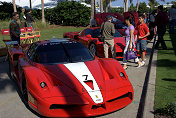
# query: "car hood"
{"points": [[91, 78]]}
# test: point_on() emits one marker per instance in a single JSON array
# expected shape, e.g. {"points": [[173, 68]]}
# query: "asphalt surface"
{"points": [[12, 106]]}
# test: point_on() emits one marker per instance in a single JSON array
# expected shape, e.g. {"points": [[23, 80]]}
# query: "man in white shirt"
{"points": [[172, 19]]}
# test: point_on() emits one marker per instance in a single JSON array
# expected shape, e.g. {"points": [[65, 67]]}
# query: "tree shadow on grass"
{"points": [[166, 63], [169, 79]]}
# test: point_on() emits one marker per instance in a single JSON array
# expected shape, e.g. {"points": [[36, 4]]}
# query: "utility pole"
{"points": [[30, 3]]}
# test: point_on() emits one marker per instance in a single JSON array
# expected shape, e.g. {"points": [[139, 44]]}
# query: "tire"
{"points": [[24, 90], [93, 48]]}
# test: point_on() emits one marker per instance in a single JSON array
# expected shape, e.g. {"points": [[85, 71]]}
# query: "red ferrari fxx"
{"points": [[118, 20], [89, 37], [61, 78]]}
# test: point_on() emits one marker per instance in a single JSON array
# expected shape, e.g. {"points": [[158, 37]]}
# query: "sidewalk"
{"points": [[137, 78]]}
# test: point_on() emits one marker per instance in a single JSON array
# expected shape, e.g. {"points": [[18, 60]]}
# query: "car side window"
{"points": [[117, 34], [96, 33], [89, 31]]}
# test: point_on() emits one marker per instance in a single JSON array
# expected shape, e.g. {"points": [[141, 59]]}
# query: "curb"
{"points": [[145, 107]]}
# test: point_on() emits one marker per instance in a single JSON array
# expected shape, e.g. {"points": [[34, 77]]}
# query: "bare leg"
{"points": [[143, 55]]}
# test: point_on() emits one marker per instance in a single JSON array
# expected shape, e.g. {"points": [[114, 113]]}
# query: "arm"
{"points": [[113, 29], [31, 18], [148, 33], [131, 38]]}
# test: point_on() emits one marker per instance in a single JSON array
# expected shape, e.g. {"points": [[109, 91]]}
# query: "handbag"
{"points": [[101, 37], [131, 54]]}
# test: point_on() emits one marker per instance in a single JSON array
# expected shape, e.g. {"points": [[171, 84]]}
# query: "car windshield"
{"points": [[120, 26], [96, 33], [115, 19], [65, 52]]}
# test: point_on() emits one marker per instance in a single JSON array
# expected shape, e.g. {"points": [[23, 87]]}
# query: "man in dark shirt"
{"points": [[161, 21], [15, 28], [29, 18], [107, 32]]}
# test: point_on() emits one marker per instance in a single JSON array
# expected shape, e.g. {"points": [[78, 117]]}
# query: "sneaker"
{"points": [[143, 63]]}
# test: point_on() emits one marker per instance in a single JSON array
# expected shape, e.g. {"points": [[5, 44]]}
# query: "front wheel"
{"points": [[93, 48]]}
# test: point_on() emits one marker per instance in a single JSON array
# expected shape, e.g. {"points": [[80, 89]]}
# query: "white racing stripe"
{"points": [[82, 73]]}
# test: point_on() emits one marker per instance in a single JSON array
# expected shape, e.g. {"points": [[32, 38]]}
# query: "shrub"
{"points": [[168, 110], [69, 13]]}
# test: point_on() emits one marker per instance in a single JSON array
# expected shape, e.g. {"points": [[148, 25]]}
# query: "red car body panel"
{"points": [[64, 95]]}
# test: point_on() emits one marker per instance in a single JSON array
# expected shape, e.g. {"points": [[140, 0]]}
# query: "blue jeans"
{"points": [[172, 25], [141, 45]]}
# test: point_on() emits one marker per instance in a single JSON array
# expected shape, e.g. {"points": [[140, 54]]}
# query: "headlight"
{"points": [[121, 74], [42, 84]]}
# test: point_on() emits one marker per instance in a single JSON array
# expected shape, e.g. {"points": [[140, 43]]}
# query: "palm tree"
{"points": [[43, 13], [125, 5], [14, 6], [153, 3], [92, 8], [101, 6], [137, 6]]}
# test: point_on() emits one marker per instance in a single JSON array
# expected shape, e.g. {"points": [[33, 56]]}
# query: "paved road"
{"points": [[12, 106]]}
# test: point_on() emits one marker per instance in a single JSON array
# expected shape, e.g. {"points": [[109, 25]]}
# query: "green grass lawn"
{"points": [[48, 33], [166, 75]]}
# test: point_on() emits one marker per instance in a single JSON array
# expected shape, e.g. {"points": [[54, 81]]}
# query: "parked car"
{"points": [[89, 37], [61, 78]]}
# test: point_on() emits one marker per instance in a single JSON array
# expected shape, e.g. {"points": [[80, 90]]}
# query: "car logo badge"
{"points": [[96, 96]]}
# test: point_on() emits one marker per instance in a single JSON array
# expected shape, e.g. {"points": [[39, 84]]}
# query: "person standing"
{"points": [[143, 32], [161, 21], [172, 19], [151, 25], [108, 31], [14, 28], [92, 22], [23, 18], [129, 41], [29, 19]]}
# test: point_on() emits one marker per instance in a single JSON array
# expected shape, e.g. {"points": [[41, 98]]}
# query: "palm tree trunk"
{"points": [[110, 5], [14, 6], [137, 7], [43, 13], [30, 3], [106, 5], [101, 6], [125, 5], [92, 8]]}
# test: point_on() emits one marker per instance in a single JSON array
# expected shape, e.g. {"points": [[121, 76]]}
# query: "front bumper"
{"points": [[78, 107]]}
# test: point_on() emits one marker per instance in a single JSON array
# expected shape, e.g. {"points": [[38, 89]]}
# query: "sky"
{"points": [[115, 3], [120, 2]]}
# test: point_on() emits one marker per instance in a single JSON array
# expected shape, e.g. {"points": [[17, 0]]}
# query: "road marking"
{"points": [[8, 100]]}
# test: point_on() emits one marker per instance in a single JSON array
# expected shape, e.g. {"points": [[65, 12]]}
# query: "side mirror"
{"points": [[88, 36]]}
